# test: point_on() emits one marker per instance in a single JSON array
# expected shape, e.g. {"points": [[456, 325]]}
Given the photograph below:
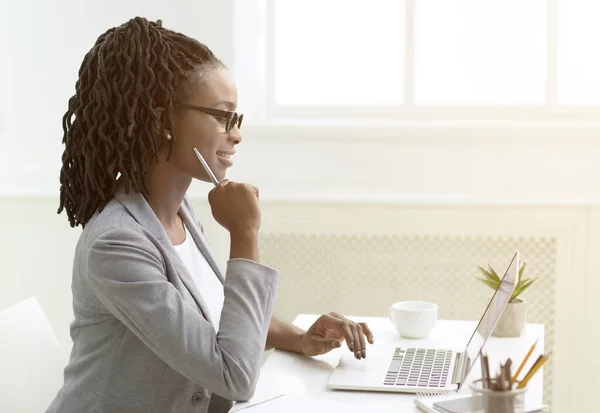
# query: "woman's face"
{"points": [[206, 132]]}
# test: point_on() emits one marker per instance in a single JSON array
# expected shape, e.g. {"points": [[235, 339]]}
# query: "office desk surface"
{"points": [[287, 373]]}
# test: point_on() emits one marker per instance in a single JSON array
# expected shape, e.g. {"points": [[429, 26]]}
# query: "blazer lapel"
{"points": [[141, 211], [187, 279], [200, 241]]}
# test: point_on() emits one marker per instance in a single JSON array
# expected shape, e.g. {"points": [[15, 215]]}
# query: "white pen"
{"points": [[206, 167]]}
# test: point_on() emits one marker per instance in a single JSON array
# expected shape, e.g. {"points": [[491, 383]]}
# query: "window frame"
{"points": [[255, 65]]}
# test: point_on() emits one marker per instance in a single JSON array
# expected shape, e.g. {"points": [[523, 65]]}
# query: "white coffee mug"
{"points": [[414, 319]]}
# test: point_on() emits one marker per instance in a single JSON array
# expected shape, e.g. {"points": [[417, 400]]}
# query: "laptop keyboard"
{"points": [[420, 367]]}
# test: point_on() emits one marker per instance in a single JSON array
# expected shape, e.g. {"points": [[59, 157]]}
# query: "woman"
{"points": [[157, 327]]}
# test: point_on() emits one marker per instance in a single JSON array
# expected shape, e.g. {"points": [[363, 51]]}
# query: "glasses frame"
{"points": [[232, 118]]}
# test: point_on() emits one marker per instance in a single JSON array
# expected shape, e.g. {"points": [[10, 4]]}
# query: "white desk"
{"points": [[294, 374]]}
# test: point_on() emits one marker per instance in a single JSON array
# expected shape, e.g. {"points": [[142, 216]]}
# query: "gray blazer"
{"points": [[143, 340]]}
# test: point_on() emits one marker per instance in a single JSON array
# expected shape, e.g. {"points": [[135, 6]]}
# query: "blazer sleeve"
{"points": [[126, 272]]}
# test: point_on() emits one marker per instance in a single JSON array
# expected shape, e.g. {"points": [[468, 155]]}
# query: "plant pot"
{"points": [[513, 319]]}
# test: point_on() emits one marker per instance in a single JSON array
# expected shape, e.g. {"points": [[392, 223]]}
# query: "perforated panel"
{"points": [[364, 274]]}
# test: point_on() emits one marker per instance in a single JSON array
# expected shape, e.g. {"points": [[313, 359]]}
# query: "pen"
{"points": [[212, 176]]}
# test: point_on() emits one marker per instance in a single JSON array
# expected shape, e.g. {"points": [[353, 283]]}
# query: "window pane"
{"points": [[339, 51], [480, 52], [578, 56]]}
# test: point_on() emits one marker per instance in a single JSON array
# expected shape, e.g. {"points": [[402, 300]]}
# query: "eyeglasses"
{"points": [[231, 118]]}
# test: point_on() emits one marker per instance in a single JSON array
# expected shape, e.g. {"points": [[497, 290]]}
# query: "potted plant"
{"points": [[513, 319]]}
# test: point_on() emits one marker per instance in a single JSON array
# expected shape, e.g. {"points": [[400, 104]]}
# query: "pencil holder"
{"points": [[500, 401]]}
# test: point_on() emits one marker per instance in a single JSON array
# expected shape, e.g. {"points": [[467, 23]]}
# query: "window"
{"points": [[346, 53], [424, 59], [579, 52], [480, 52]]}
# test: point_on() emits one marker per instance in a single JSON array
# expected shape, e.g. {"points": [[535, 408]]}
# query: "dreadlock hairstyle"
{"points": [[112, 125]]}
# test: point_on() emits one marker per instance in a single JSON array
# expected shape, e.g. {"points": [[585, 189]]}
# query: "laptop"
{"points": [[426, 370]]}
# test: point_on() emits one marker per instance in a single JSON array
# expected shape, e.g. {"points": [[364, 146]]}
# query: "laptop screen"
{"points": [[492, 313]]}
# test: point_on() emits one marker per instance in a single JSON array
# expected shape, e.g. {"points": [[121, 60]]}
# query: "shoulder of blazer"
{"points": [[115, 216]]}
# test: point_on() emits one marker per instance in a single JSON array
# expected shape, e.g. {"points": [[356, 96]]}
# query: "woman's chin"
{"points": [[207, 179]]}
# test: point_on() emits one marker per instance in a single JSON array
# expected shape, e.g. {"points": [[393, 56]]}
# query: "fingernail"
{"points": [[336, 344], [351, 346], [364, 354], [358, 356]]}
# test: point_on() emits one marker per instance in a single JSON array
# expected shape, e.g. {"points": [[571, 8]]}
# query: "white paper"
{"points": [[259, 397], [291, 403]]}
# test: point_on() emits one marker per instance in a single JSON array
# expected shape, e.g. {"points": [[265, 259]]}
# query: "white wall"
{"points": [[42, 45], [468, 164]]}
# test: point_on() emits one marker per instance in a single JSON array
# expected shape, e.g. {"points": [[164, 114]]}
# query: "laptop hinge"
{"points": [[459, 368]]}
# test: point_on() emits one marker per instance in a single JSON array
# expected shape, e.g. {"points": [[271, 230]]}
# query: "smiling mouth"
{"points": [[225, 158]]}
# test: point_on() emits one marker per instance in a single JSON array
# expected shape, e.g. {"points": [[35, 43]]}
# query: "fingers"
{"points": [[358, 343], [354, 337], [252, 188], [333, 344], [356, 334], [361, 338], [232, 185], [348, 334], [219, 186], [367, 332]]}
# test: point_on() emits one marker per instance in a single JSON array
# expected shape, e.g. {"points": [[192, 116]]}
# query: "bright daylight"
{"points": [[261, 206]]}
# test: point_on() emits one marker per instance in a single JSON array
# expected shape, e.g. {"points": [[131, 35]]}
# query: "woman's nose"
{"points": [[235, 136]]}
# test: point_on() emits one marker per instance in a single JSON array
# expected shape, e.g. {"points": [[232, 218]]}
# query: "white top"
{"points": [[206, 280]]}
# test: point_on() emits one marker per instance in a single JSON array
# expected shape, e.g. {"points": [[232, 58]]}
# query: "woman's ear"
{"points": [[162, 123]]}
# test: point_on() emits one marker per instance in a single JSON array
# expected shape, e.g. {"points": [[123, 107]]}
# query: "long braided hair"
{"points": [[112, 125]]}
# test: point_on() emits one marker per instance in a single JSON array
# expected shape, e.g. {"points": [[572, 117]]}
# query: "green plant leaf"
{"points": [[528, 283], [522, 288], [492, 280], [522, 281], [489, 283], [491, 273], [488, 275], [521, 271], [495, 274]]}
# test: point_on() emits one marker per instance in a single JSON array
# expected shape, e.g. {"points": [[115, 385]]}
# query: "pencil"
{"points": [[536, 366], [507, 378], [485, 367], [514, 378]]}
